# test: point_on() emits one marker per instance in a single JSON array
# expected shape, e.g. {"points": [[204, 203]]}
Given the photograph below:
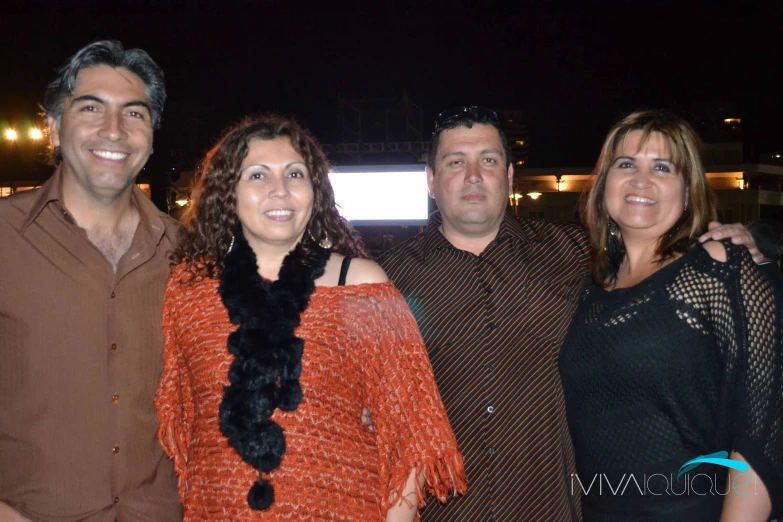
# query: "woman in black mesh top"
{"points": [[675, 350]]}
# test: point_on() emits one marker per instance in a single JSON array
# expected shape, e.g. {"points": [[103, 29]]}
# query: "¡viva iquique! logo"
{"points": [[684, 483]]}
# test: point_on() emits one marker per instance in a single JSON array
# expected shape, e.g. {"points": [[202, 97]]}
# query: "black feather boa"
{"points": [[268, 356]]}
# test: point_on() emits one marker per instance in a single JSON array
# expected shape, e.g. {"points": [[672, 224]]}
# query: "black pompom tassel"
{"points": [[261, 495], [290, 395], [263, 445]]}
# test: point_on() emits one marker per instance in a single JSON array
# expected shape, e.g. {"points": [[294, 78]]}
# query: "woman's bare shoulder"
{"points": [[365, 271], [716, 250]]}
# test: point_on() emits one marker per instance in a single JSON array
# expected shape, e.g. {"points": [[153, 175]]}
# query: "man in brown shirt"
{"points": [[84, 262], [493, 297]]}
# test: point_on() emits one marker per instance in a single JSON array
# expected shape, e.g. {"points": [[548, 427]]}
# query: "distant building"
{"points": [[745, 192], [22, 162], [773, 158], [379, 131], [714, 121], [514, 126]]}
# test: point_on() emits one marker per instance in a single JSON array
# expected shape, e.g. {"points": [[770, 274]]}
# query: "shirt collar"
{"points": [[510, 228], [149, 215], [433, 238], [51, 190]]}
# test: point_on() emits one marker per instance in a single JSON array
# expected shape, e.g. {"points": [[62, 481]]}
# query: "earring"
{"points": [[613, 249], [231, 246], [324, 243]]}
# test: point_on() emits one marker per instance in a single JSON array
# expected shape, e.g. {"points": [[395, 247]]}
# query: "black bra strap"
{"points": [[344, 271]]}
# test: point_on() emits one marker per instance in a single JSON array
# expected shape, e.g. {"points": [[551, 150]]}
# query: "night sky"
{"points": [[572, 68]]}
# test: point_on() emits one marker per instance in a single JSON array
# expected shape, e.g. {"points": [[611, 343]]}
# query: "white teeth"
{"points": [[105, 154], [279, 213], [639, 199]]}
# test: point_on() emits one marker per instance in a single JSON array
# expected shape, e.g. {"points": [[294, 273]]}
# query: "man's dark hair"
{"points": [[768, 235], [113, 54], [465, 117]]}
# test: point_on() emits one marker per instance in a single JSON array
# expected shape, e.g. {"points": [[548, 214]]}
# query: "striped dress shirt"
{"points": [[493, 325]]}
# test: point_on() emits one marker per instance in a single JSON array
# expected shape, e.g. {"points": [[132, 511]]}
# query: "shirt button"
{"points": [[116, 499], [491, 366], [115, 449], [491, 409], [115, 398], [112, 295], [113, 346], [488, 290], [491, 326], [491, 451]]}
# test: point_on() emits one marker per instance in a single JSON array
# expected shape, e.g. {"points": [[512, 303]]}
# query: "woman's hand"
{"points": [[404, 509], [10, 515]]}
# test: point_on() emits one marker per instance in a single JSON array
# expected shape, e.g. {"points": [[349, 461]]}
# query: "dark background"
{"points": [[572, 68]]}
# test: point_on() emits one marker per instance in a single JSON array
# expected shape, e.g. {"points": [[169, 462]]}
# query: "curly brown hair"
{"points": [[211, 220], [686, 150]]}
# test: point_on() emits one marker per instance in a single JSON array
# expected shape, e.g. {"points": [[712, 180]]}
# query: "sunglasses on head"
{"points": [[474, 111]]}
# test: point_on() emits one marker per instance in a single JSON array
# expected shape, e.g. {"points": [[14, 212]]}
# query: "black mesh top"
{"points": [[686, 363]]}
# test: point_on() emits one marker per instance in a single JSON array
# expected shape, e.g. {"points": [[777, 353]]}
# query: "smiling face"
{"points": [[644, 195], [471, 182], [274, 194], [105, 132]]}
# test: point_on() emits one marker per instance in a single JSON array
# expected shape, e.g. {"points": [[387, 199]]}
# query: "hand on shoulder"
{"points": [[738, 234]]}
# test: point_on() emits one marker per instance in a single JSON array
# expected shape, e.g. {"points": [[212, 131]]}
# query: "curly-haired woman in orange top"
{"points": [[278, 332]]}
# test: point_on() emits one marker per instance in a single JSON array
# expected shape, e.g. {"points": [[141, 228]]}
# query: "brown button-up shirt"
{"points": [[493, 325], [80, 357]]}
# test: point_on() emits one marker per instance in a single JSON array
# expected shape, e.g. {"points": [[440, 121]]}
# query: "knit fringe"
{"points": [[443, 477], [175, 450]]}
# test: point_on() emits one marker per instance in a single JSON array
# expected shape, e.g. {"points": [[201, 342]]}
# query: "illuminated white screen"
{"points": [[381, 196]]}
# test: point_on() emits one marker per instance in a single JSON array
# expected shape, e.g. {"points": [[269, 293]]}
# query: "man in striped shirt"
{"points": [[493, 297]]}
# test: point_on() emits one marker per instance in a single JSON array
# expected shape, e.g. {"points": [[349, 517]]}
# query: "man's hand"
{"points": [[9, 515], [738, 234], [366, 421]]}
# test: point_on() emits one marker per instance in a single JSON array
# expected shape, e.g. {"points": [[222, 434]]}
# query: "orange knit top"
{"points": [[362, 349]]}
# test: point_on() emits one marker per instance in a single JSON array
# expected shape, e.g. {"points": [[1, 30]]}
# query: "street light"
{"points": [[11, 135], [534, 195], [514, 200], [36, 134]]}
